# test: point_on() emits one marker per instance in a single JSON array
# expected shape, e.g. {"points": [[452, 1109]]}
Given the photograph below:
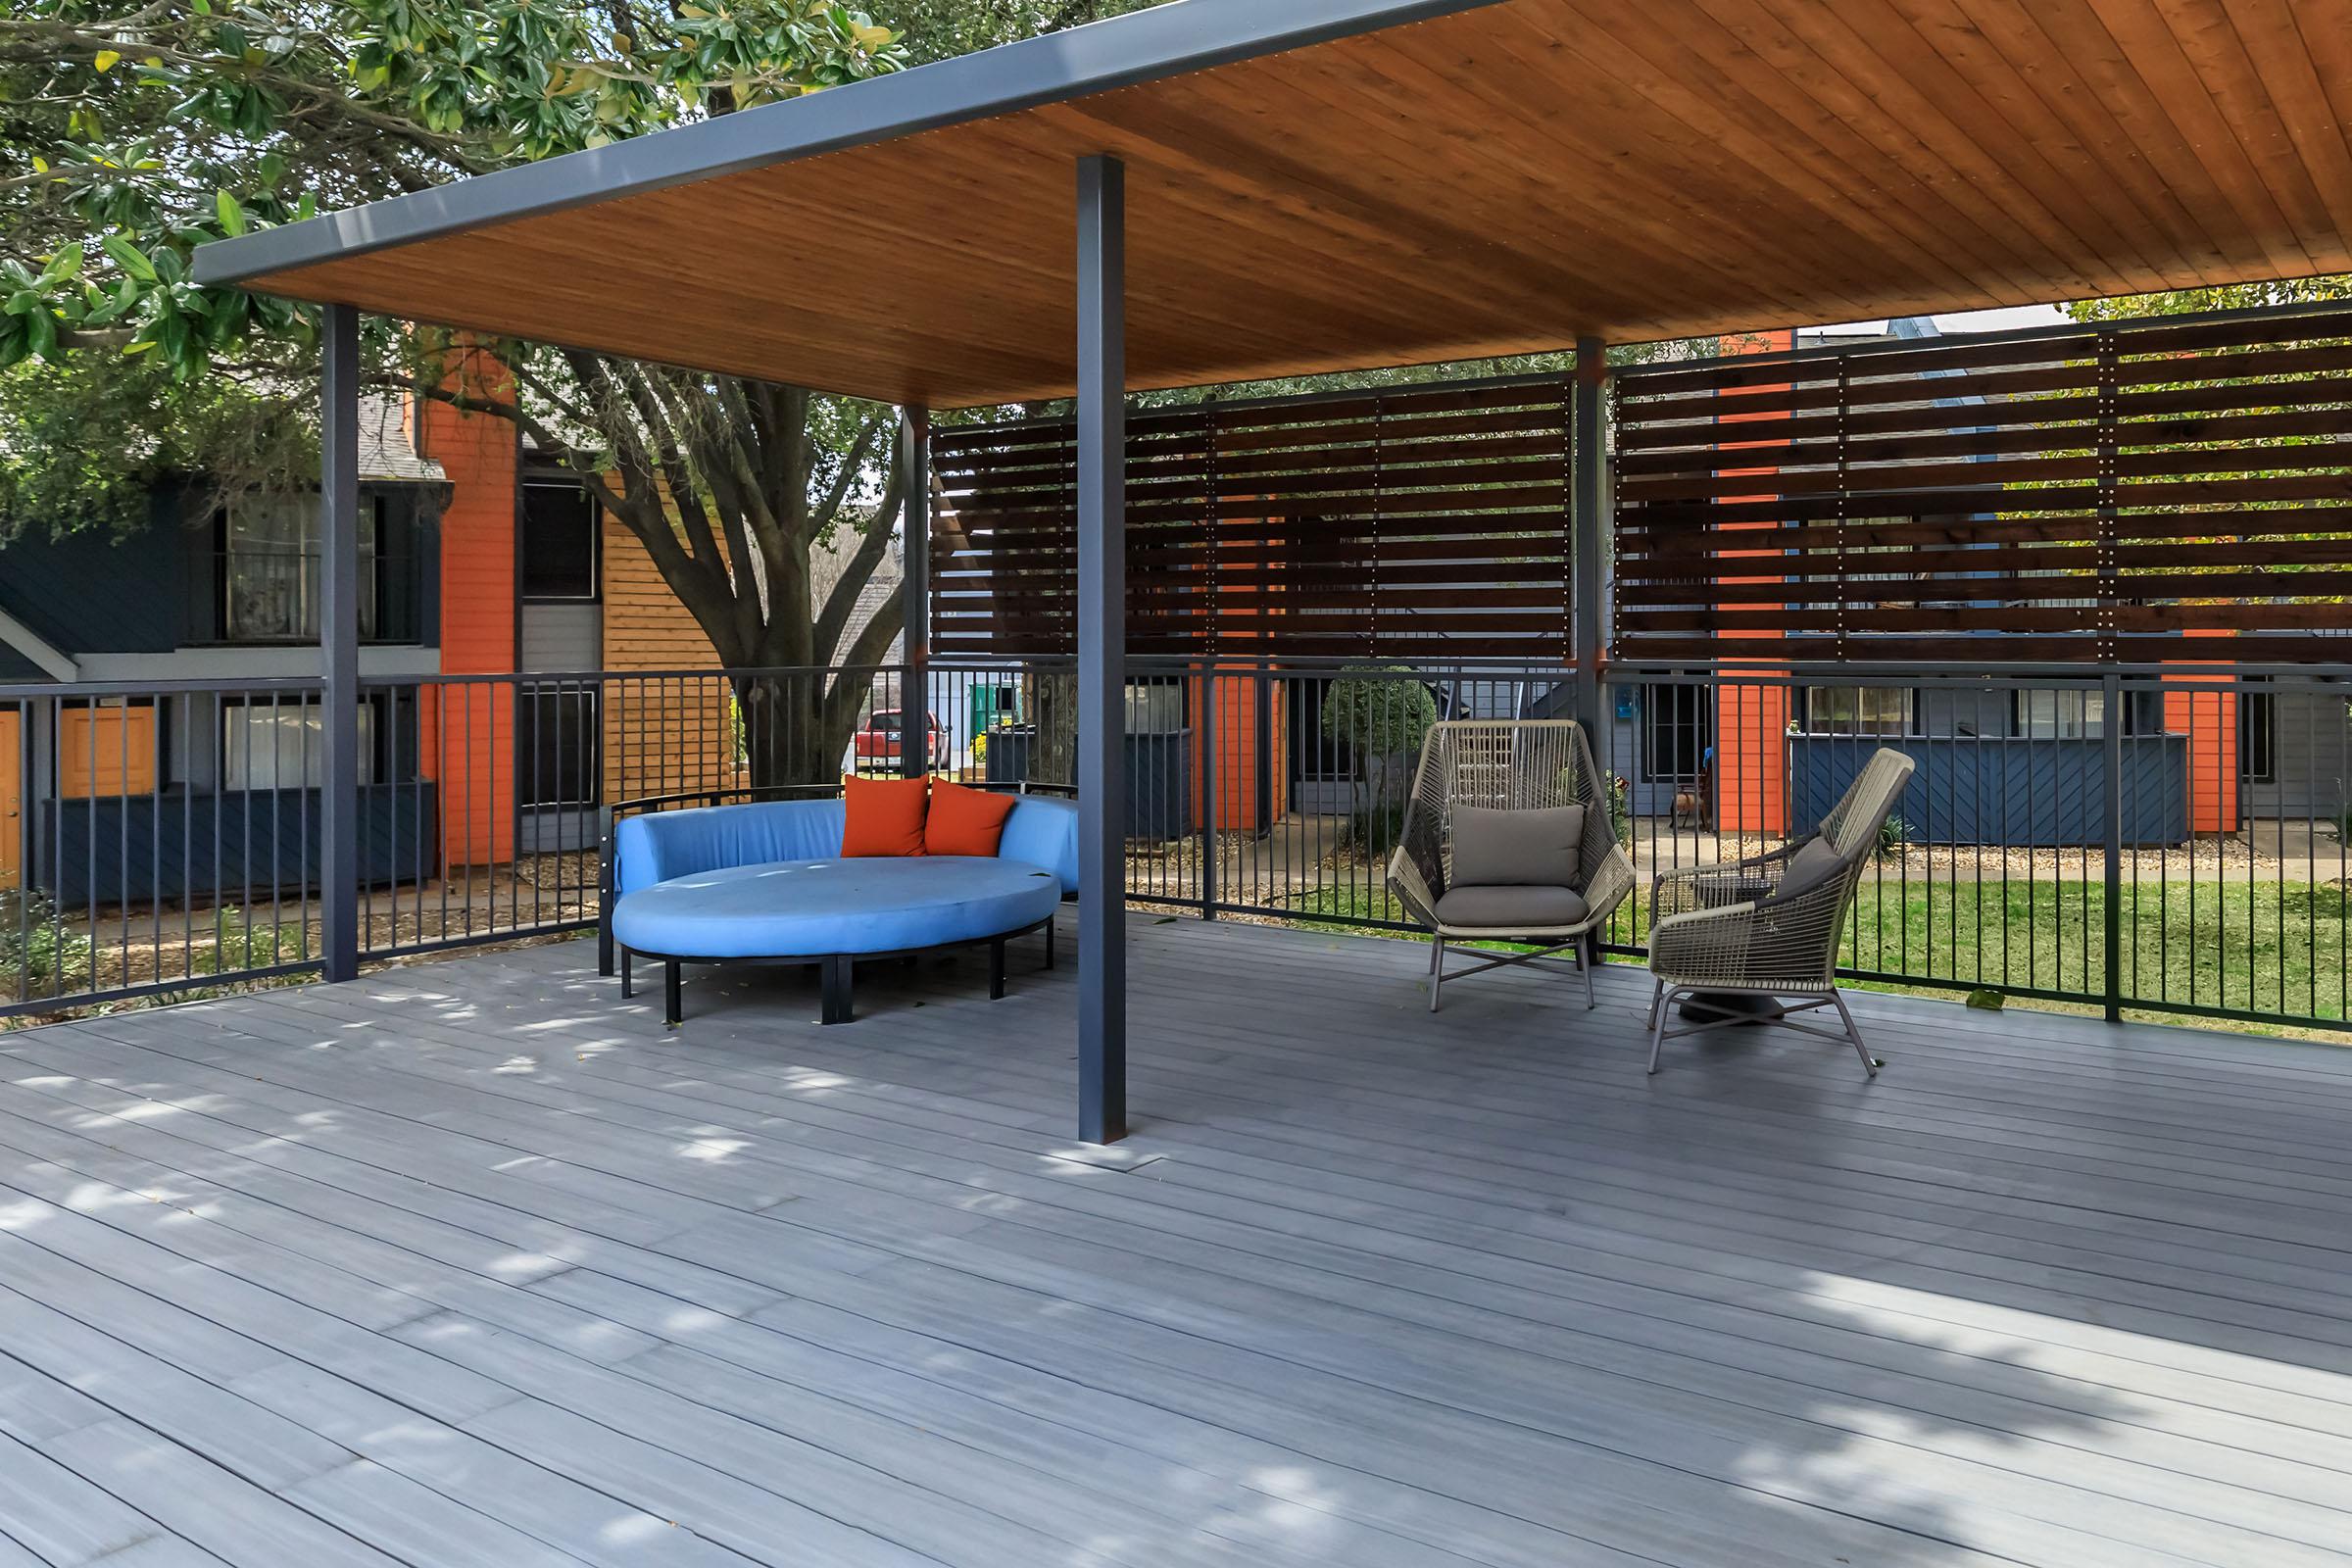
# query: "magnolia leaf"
{"points": [[232, 216], [128, 256], [107, 59]]}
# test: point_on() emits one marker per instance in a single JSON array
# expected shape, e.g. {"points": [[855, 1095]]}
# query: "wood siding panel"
{"points": [[663, 733]]}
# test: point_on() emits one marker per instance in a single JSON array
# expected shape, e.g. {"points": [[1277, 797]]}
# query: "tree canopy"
{"points": [[133, 130]]}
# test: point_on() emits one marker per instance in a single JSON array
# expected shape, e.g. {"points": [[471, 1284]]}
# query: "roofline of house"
{"points": [[53, 660]]}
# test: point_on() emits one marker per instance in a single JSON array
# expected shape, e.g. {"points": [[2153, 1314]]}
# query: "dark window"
{"points": [[558, 541], [269, 565], [1674, 732], [561, 742], [2258, 737]]}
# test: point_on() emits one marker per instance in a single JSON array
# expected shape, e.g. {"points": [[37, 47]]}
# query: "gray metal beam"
{"points": [[339, 639], [1588, 528], [1101, 650], [915, 590], [1144, 46]]}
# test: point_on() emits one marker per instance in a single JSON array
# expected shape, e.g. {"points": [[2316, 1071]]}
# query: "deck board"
{"points": [[474, 1262]]}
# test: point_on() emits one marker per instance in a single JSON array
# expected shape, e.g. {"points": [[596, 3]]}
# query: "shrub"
{"points": [[40, 956]]}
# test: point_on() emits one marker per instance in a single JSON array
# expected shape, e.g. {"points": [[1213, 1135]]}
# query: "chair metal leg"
{"points": [[673, 993], [1436, 971], [1584, 966], [1657, 1027], [836, 981], [1853, 1031], [1657, 999]]}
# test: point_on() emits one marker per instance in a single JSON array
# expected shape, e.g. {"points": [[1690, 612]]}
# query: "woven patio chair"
{"points": [[1770, 925], [1508, 765]]}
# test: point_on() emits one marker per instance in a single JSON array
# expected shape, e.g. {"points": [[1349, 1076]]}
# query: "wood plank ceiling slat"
{"points": [[1500, 179]]}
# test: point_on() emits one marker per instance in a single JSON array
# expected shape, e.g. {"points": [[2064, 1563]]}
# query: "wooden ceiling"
{"points": [[1502, 180]]}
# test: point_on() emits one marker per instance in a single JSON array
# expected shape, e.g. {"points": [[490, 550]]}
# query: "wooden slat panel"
{"points": [[2083, 494], [1360, 524]]}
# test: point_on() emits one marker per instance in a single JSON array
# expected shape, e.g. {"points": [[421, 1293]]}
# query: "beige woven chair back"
{"points": [[1854, 823], [1508, 764]]}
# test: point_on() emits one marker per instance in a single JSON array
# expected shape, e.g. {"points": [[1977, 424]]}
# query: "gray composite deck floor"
{"points": [[473, 1263]]}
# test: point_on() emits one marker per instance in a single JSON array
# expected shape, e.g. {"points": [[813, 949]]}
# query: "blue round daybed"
{"points": [[765, 882]]}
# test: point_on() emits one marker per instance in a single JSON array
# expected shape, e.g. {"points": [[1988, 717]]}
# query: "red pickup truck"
{"points": [[877, 743]]}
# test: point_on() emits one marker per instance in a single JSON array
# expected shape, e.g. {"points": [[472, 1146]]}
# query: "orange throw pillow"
{"points": [[965, 820], [882, 816]]}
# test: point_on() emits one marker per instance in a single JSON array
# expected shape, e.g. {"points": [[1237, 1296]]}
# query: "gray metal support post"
{"points": [[339, 639], [1101, 650], [2111, 733], [1207, 768], [914, 591], [1588, 528]]}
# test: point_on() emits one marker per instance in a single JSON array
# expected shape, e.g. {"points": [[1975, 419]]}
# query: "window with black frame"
{"points": [[279, 743], [269, 567], [1880, 711], [560, 741], [558, 540], [1676, 722]]}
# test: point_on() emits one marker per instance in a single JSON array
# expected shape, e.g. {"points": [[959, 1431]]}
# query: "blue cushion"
{"points": [[1044, 832], [662, 845], [811, 907]]}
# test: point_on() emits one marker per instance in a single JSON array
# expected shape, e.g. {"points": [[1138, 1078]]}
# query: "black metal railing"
{"points": [[2169, 838]]}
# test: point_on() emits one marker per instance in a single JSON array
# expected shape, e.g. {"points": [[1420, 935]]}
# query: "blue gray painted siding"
{"points": [[2015, 791], [157, 590], [234, 847]]}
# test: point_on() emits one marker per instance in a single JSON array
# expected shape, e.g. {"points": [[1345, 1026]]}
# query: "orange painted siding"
{"points": [[468, 732], [11, 796], [666, 735], [2209, 719], [1236, 718], [103, 752], [1751, 722]]}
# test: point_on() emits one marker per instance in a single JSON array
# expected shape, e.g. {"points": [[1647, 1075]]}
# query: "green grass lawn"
{"points": [[2272, 948]]}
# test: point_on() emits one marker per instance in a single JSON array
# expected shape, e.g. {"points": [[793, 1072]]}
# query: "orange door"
{"points": [[11, 795]]}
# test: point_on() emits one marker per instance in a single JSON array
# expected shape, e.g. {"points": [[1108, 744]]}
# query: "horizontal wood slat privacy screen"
{"points": [[2085, 494], [1374, 524]]}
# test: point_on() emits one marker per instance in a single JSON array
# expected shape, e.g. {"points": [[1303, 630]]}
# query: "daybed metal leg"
{"points": [[837, 1004], [1657, 1025], [673, 993], [1436, 971], [996, 970], [1854, 1032], [628, 988], [1051, 928]]}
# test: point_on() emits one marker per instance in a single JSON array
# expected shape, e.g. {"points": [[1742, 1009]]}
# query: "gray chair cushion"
{"points": [[1503, 848], [1813, 864], [1512, 908]]}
